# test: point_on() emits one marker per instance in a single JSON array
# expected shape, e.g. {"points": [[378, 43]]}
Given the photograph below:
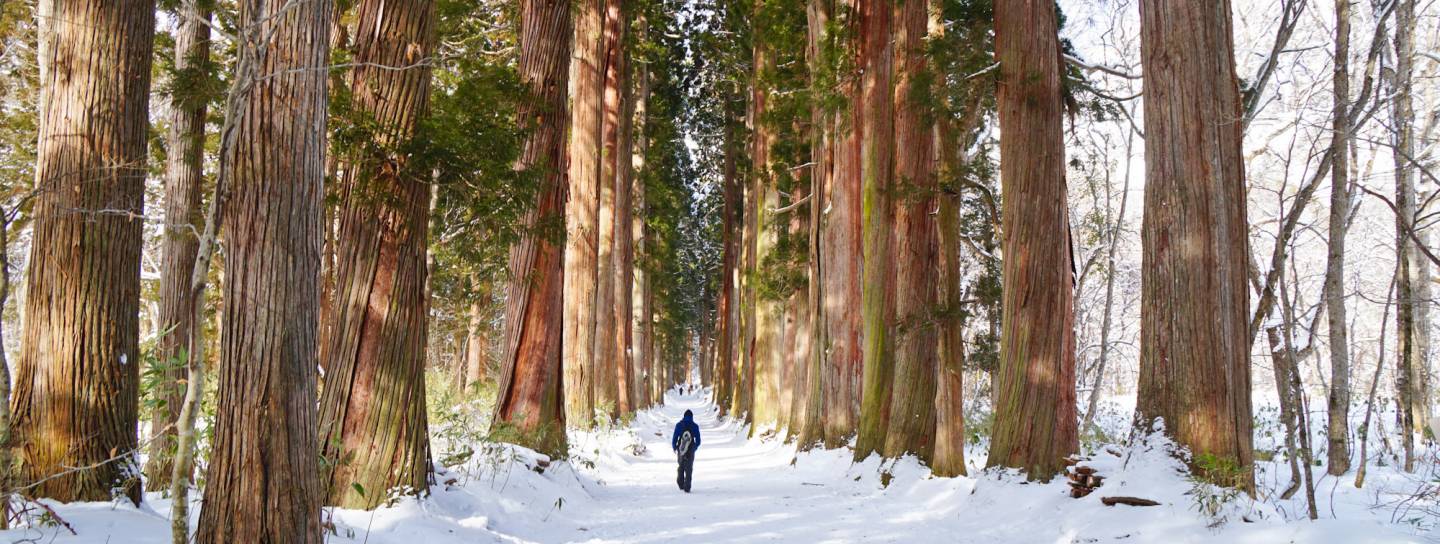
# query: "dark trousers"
{"points": [[687, 469]]}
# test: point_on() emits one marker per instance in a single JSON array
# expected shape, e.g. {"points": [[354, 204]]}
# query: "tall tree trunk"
{"points": [[639, 333], [1194, 341], [1338, 429], [1035, 387], [639, 232], [265, 419], [810, 393], [798, 359], [1402, 117], [840, 261], [372, 411], [652, 355], [607, 367], [587, 84], [743, 400], [949, 457], [530, 382], [786, 341], [767, 348], [912, 406], [623, 270], [472, 365], [728, 308], [877, 155], [76, 398], [796, 392], [1421, 268], [184, 184]]}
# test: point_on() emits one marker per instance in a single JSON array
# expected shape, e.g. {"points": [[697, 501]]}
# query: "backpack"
{"points": [[686, 440]]}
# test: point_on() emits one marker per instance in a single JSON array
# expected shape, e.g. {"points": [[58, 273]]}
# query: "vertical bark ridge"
{"points": [[184, 185], [76, 397], [877, 155], [265, 402], [912, 408], [1194, 353], [840, 261], [587, 73], [530, 380], [1035, 426]]}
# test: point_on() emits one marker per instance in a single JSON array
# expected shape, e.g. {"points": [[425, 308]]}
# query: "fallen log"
{"points": [[1132, 501]]}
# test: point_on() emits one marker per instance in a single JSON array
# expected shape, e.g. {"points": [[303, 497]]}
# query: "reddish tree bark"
{"points": [[372, 410], [877, 155], [912, 404], [587, 84], [728, 308], [623, 269], [1035, 427], [607, 377], [743, 401], [840, 263], [800, 332], [530, 390], [767, 328], [76, 397], [951, 140], [1194, 337], [806, 422]]}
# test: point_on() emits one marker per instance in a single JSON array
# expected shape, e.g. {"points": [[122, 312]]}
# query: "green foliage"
{"points": [[459, 419], [154, 373], [682, 207], [1214, 485], [1219, 470], [979, 425], [19, 95]]}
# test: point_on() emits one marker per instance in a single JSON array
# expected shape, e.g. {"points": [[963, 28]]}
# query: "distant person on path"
{"points": [[685, 441]]}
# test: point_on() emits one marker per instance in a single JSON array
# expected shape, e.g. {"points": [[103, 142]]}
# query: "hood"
{"points": [[689, 415]]}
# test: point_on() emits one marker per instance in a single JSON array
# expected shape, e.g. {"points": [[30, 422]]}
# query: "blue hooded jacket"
{"points": [[686, 424]]}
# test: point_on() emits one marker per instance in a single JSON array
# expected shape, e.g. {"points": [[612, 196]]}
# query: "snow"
{"points": [[619, 486]]}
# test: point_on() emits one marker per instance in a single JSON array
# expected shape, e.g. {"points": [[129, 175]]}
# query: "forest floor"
{"points": [[619, 486]]}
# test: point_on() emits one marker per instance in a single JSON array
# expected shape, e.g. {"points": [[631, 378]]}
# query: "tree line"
{"points": [[599, 198], [351, 178]]}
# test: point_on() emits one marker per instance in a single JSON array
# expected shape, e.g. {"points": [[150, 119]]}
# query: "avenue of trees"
{"points": [[250, 242]]}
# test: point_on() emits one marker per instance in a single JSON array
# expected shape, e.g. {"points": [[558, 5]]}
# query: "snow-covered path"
{"points": [[744, 491]]}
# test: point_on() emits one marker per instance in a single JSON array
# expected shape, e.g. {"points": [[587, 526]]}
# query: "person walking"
{"points": [[685, 441]]}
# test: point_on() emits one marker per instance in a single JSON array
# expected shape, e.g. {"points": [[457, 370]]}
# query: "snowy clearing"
{"points": [[620, 487]]}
